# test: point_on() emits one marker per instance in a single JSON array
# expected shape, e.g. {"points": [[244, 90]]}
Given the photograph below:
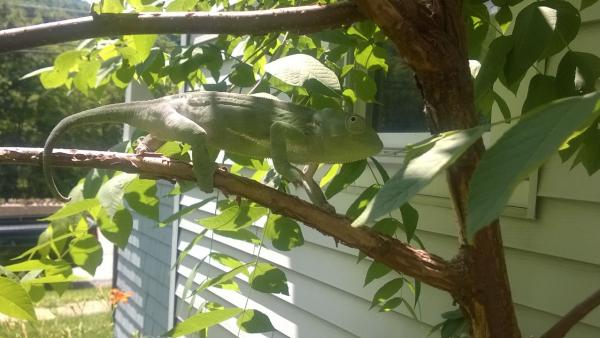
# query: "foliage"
{"points": [[560, 111]]}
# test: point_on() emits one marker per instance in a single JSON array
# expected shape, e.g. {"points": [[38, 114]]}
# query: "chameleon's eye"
{"points": [[355, 124]]}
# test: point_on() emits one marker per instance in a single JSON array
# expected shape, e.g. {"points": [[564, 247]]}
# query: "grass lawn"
{"points": [[51, 298], [92, 326], [97, 325]]}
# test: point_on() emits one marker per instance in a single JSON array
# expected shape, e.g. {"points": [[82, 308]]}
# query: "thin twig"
{"points": [[576, 314]]}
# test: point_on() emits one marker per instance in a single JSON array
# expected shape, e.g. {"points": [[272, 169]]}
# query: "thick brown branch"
{"points": [[301, 19], [401, 257], [431, 37], [576, 314]]}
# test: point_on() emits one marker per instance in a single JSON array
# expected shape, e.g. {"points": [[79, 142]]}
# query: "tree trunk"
{"points": [[431, 37]]}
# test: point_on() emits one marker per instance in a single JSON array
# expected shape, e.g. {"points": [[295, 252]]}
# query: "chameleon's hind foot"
{"points": [[148, 144]]}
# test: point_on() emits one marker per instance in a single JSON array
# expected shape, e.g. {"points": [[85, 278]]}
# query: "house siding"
{"points": [[144, 267]]}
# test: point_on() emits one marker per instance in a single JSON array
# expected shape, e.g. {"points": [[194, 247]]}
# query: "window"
{"points": [[399, 104]]}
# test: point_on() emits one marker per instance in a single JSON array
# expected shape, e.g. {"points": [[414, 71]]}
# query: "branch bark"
{"points": [[302, 19], [399, 256], [576, 314]]}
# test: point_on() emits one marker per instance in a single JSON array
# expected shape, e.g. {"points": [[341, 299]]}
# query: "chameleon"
{"points": [[247, 125]]}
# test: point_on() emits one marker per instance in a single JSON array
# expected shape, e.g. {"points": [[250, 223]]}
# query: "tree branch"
{"points": [[576, 314], [399, 256], [302, 19]]}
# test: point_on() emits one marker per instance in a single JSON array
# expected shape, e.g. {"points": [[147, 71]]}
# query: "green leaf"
{"points": [[410, 218], [330, 174], [577, 73], [116, 228], [376, 270], [504, 110], [189, 282], [86, 252], [222, 278], [111, 6], [362, 29], [111, 193], [268, 279], [587, 3], [382, 172], [519, 151], [504, 18], [185, 210], [34, 264], [36, 72], [541, 29], [44, 243], [227, 260], [371, 57], [58, 276], [73, 208], [349, 173], [542, 89], [86, 77], [438, 152], [386, 292], [67, 61], [53, 279], [36, 292], [284, 233], [137, 48], [92, 183], [417, 288], [254, 321], [410, 309], [242, 75], [240, 235], [360, 203], [363, 84], [140, 195], [491, 68], [122, 76], [189, 247], [387, 226], [52, 238], [588, 154], [296, 69], [181, 5], [53, 78], [201, 321], [477, 25], [391, 304], [15, 301], [234, 218]]}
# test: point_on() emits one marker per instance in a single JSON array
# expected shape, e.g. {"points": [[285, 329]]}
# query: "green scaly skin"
{"points": [[251, 126]]}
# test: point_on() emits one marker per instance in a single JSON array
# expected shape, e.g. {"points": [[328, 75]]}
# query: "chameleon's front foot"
{"points": [[316, 195], [205, 177]]}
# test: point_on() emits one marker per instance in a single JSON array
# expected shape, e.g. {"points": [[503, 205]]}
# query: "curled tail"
{"points": [[116, 113]]}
